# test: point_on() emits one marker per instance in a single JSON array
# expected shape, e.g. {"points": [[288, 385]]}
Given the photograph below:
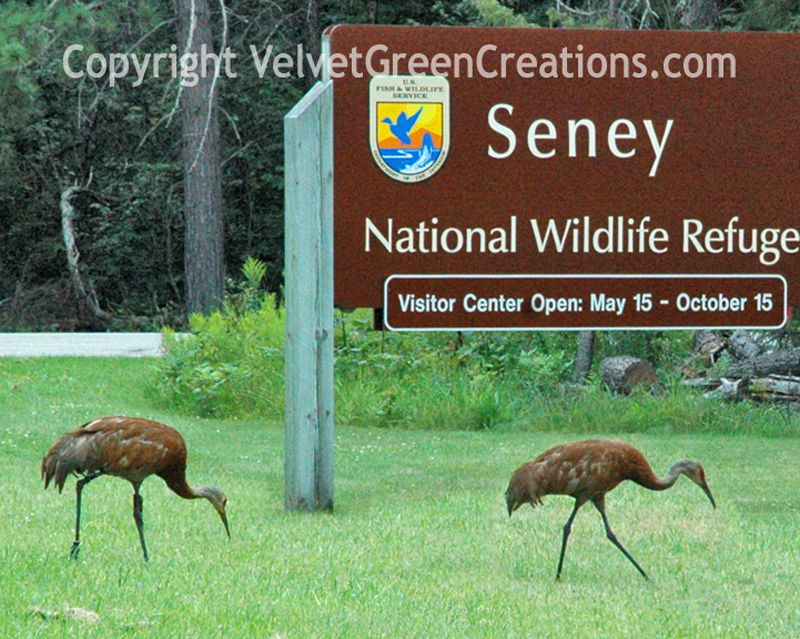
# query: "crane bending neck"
{"points": [[662, 483]]}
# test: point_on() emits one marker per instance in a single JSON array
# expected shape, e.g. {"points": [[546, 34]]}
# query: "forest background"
{"points": [[97, 182], [119, 147]]}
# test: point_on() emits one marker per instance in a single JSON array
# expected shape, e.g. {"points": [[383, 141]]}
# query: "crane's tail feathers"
{"points": [[56, 471], [74, 452]]}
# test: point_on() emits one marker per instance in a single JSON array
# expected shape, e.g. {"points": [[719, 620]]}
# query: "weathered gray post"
{"points": [[308, 130]]}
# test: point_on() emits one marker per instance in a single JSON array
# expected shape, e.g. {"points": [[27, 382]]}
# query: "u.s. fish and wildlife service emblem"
{"points": [[409, 125]]}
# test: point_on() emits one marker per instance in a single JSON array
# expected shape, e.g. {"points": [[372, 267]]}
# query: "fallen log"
{"points": [[779, 385], [779, 362], [624, 373], [730, 389], [708, 346], [702, 383], [772, 388], [743, 346]]}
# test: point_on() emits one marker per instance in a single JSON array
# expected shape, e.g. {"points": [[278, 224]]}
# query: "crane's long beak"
{"points": [[225, 523], [512, 506], [707, 491]]}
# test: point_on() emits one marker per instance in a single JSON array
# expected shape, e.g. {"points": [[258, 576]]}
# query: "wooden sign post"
{"points": [[309, 422]]}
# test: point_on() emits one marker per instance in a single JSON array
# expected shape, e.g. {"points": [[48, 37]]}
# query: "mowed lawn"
{"points": [[420, 544]]}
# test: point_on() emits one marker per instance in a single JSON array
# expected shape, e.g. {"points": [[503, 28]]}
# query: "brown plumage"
{"points": [[131, 448], [587, 471]]}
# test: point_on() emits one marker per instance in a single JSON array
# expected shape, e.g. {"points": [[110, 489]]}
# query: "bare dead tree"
{"points": [[84, 290]]}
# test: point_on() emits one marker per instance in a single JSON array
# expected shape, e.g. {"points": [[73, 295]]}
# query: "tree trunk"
{"points": [[204, 254], [311, 34], [583, 356], [698, 14]]}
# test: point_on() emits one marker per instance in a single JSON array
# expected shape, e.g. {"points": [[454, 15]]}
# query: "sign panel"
{"points": [[509, 152]]}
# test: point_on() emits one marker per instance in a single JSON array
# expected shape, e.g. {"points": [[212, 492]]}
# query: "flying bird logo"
{"points": [[404, 124], [409, 125]]}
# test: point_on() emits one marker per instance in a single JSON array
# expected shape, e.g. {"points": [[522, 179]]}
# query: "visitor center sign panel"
{"points": [[545, 179]]}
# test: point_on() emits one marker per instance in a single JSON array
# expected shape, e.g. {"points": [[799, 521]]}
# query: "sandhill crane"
{"points": [[131, 448], [587, 471]]}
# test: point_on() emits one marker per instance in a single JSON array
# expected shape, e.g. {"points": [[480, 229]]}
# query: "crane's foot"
{"points": [[76, 547]]}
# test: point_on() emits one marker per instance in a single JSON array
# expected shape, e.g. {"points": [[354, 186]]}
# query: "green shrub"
{"points": [[440, 380], [231, 364]]}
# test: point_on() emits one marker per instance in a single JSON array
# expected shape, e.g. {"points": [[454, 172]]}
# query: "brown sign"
{"points": [[507, 152]]}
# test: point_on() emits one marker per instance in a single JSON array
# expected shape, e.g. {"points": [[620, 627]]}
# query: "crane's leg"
{"points": [[76, 545], [600, 505], [137, 517], [567, 529]]}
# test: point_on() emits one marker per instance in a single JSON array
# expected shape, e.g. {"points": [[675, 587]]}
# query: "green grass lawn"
{"points": [[420, 544]]}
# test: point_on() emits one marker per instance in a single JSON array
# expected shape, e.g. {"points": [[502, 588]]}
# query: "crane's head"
{"points": [[695, 472], [520, 489], [511, 501], [218, 500]]}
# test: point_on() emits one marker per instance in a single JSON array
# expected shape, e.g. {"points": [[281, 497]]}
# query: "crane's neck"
{"points": [[179, 486], [678, 468], [182, 489]]}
